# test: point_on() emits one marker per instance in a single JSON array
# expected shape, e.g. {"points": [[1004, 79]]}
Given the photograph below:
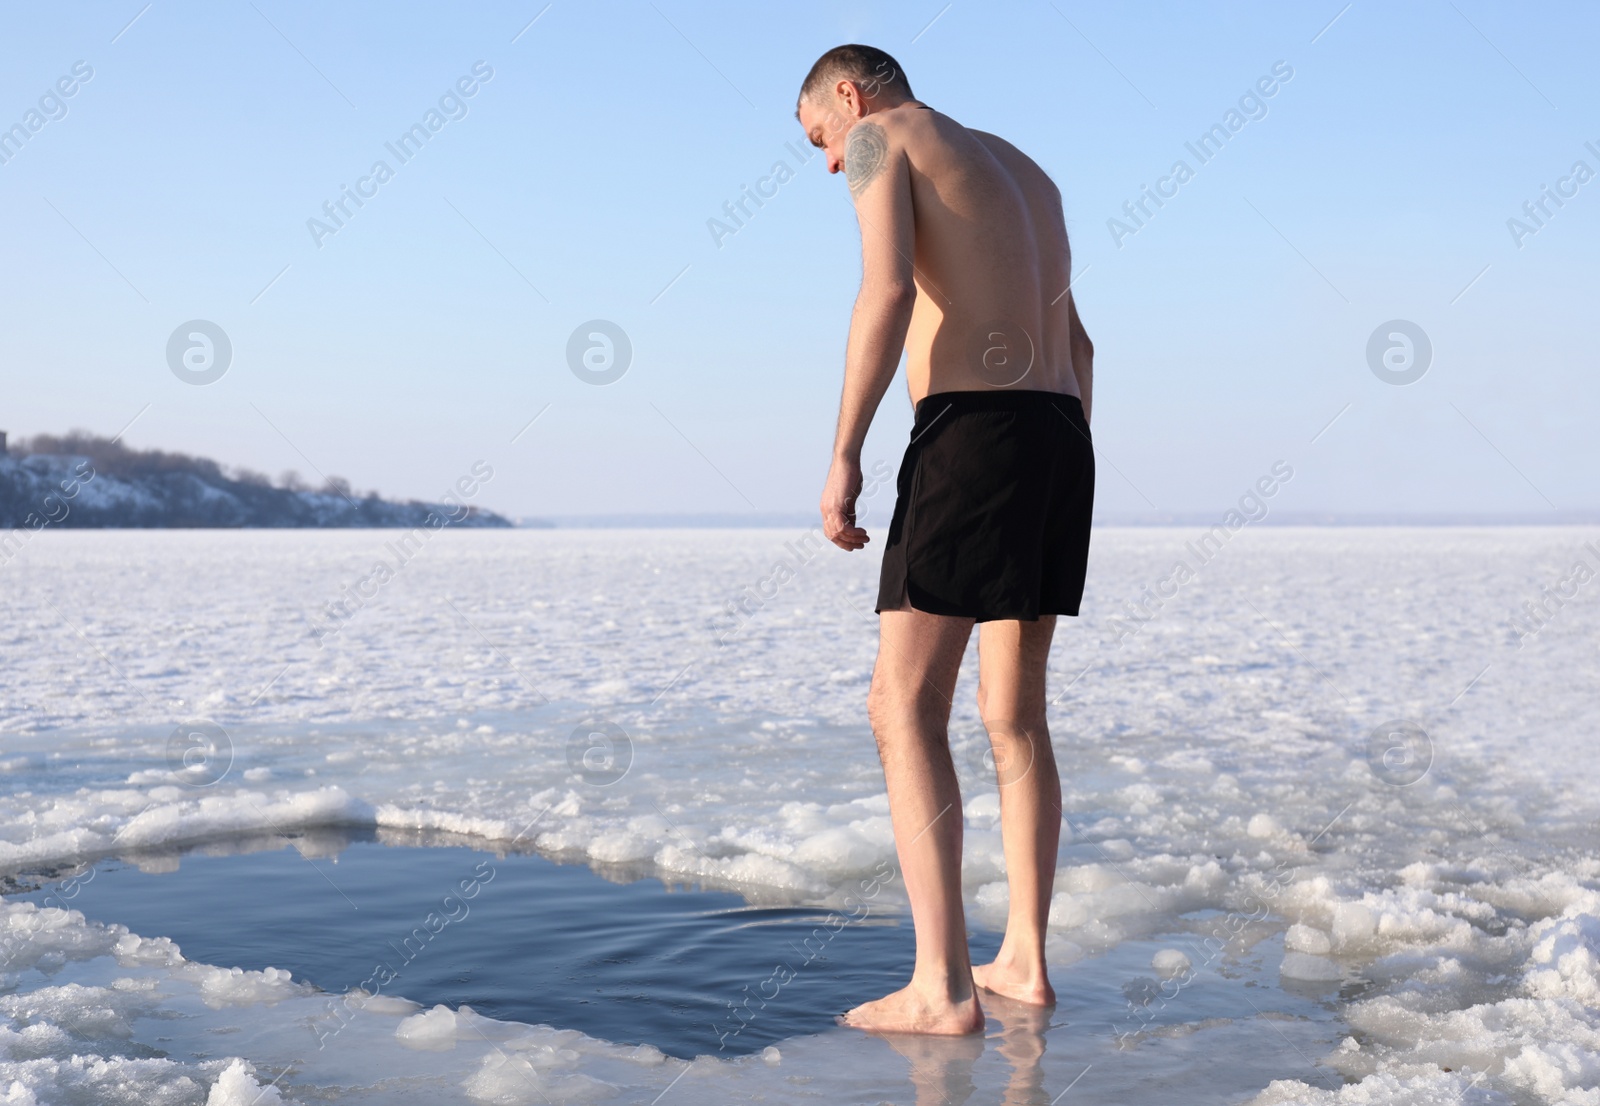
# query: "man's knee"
{"points": [[1020, 750], [1026, 725], [896, 707], [891, 705], [1006, 711]]}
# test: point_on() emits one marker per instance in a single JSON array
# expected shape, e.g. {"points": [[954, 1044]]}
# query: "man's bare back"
{"points": [[986, 249], [991, 255], [965, 270]]}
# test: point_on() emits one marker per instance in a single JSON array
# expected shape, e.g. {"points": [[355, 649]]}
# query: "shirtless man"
{"points": [[965, 267]]}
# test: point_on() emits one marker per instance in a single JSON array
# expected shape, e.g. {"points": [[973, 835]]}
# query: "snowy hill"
{"points": [[104, 485]]}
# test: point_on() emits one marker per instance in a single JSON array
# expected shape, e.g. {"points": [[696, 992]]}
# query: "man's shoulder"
{"points": [[924, 135], [1001, 148], [910, 125], [890, 135], [901, 124], [918, 131], [993, 141], [1012, 157]]}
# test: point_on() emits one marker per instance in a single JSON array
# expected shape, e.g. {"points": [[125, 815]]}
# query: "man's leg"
{"points": [[1011, 698], [919, 655]]}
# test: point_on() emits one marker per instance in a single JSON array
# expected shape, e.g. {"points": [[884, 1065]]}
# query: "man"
{"points": [[965, 267]]}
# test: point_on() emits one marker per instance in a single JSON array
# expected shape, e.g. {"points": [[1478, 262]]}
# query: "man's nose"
{"points": [[835, 163]]}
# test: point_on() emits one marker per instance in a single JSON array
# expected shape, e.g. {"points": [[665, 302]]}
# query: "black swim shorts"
{"points": [[994, 498]]}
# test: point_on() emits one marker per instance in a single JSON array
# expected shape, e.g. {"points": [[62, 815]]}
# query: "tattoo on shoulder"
{"points": [[865, 153]]}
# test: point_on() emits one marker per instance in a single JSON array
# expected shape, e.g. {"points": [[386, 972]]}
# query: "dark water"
{"points": [[516, 937]]}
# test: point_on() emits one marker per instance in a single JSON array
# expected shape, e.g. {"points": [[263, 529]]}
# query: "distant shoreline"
{"points": [[1284, 519], [101, 485]]}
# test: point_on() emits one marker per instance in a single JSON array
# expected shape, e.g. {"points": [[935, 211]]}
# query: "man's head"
{"points": [[847, 84]]}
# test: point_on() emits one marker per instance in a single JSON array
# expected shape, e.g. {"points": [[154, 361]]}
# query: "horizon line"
{"points": [[710, 520]]}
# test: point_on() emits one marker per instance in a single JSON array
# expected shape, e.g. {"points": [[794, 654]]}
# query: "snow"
{"points": [[1218, 773], [1307, 939], [1170, 963], [237, 1086]]}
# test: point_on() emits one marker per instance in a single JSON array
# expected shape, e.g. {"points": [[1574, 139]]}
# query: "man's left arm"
{"points": [[1082, 356], [880, 184]]}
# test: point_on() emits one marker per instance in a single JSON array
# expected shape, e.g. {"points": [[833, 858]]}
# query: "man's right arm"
{"points": [[880, 183], [1082, 355]]}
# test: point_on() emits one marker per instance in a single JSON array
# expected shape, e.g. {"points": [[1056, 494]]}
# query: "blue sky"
{"points": [[424, 334]]}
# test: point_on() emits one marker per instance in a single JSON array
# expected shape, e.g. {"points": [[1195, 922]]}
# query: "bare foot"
{"points": [[1021, 984], [909, 1010]]}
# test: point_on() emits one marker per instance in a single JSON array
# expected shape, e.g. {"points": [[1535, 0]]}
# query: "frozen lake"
{"points": [[1331, 766]]}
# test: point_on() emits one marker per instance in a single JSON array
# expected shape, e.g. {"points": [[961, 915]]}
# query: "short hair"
{"points": [[867, 66]]}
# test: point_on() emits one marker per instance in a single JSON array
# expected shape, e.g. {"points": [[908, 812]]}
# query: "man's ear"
{"points": [[849, 94]]}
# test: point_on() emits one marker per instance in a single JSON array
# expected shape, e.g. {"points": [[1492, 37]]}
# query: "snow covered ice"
{"points": [[1240, 767]]}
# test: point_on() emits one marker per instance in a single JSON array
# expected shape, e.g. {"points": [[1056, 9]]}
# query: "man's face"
{"points": [[827, 126]]}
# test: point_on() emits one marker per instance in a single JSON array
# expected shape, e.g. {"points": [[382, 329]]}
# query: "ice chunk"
{"points": [[993, 896], [1567, 955], [837, 853], [18, 1095], [237, 987], [1304, 938], [237, 1086], [513, 1080], [1169, 963], [431, 1031], [1263, 825], [1068, 911], [1353, 925], [1554, 1070]]}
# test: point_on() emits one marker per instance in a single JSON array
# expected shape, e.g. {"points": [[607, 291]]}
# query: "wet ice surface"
{"points": [[516, 937], [1216, 775]]}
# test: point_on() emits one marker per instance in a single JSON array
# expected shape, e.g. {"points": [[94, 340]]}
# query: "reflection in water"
{"points": [[941, 1067], [1022, 1027]]}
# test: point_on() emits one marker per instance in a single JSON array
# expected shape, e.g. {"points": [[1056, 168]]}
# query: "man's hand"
{"points": [[839, 505]]}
